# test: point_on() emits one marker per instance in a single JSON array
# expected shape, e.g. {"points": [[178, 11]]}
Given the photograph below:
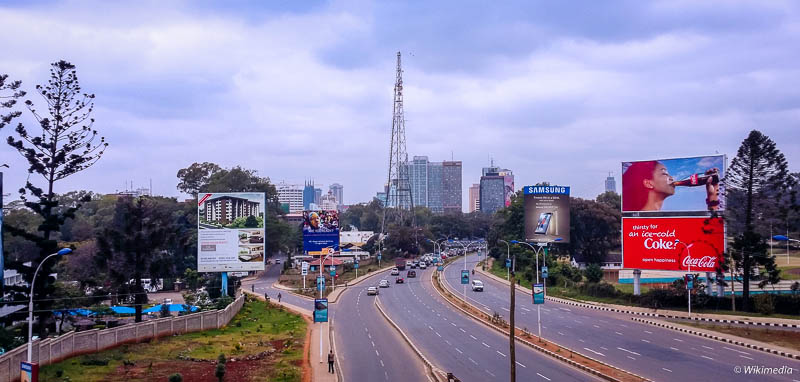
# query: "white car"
{"points": [[372, 291], [384, 283], [395, 272], [423, 266], [477, 286]]}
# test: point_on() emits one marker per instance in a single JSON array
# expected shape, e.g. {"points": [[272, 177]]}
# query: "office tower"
{"points": [[292, 195], [308, 194], [338, 192], [474, 197], [451, 186], [611, 183], [418, 175]]}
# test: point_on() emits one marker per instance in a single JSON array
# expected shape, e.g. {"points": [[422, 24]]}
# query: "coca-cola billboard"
{"points": [[673, 243]]}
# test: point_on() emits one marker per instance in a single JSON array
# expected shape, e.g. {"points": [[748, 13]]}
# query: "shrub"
{"points": [[593, 273], [177, 377], [601, 289], [764, 303]]}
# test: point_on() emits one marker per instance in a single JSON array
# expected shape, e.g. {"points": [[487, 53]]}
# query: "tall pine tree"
{"points": [[760, 176]]}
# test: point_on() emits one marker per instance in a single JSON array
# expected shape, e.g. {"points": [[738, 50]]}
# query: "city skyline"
{"points": [[580, 85]]}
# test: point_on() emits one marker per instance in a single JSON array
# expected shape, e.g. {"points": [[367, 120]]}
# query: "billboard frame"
{"points": [[202, 197]]}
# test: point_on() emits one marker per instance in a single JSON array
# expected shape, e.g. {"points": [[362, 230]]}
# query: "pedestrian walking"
{"points": [[279, 296], [253, 288], [266, 296], [330, 362]]}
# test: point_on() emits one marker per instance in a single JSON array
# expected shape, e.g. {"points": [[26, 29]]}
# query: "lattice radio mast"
{"points": [[399, 200]]}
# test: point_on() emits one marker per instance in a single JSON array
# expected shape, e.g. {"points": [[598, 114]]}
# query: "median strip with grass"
{"points": [[260, 343]]}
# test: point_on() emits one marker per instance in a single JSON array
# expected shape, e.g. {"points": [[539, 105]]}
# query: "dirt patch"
{"points": [[779, 337], [193, 371]]}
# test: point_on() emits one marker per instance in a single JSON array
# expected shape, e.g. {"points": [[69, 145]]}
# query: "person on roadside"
{"points": [[330, 361], [279, 297]]}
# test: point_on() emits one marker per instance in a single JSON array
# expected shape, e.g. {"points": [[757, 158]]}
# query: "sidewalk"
{"points": [[319, 367], [648, 311]]}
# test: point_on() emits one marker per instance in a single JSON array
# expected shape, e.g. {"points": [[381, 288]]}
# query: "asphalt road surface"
{"points": [[655, 353]]}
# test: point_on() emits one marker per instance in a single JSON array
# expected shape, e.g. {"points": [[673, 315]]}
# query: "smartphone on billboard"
{"points": [[544, 223]]}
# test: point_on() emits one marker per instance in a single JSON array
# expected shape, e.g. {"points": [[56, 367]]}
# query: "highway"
{"points": [[655, 353], [367, 347], [459, 344]]}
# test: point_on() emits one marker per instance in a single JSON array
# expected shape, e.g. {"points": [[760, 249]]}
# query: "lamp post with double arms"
{"points": [[64, 251], [689, 290], [510, 276]]}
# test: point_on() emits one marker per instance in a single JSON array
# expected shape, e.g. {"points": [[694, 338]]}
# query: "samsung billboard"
{"points": [[546, 213]]}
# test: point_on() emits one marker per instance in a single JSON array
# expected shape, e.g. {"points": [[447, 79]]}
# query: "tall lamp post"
{"points": [[689, 290], [536, 253], [61, 252], [787, 240], [510, 276], [508, 256], [466, 247], [322, 265]]}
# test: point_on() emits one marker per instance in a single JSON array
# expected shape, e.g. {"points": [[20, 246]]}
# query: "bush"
{"points": [[601, 289], [593, 273], [764, 303], [177, 377]]}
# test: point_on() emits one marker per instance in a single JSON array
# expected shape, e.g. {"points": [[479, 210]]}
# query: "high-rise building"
{"points": [[308, 194], [496, 189], [451, 186], [418, 175], [328, 202], [338, 192], [318, 195], [381, 196], [291, 195], [474, 197], [611, 183], [435, 170], [225, 209]]}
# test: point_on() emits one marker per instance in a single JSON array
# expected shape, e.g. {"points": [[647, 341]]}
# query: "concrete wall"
{"points": [[52, 350]]}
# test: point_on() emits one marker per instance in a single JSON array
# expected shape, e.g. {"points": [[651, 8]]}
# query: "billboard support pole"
{"points": [[637, 282], [224, 283]]}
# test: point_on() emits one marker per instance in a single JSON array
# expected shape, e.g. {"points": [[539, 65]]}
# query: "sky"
{"points": [[561, 92]]}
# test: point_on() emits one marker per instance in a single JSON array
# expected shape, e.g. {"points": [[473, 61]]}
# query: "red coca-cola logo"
{"points": [[701, 262], [650, 243]]}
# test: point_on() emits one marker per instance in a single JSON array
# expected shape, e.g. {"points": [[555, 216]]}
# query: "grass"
{"points": [[786, 338], [254, 330], [789, 272]]}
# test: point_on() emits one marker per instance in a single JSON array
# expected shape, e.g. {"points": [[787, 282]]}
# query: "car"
{"points": [[477, 286], [395, 272], [277, 261], [384, 283], [168, 301], [372, 291], [444, 256], [423, 265], [399, 280], [411, 274]]}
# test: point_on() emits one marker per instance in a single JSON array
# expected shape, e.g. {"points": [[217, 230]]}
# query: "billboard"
{"points": [[546, 213], [230, 232], [680, 184], [320, 230], [321, 310], [650, 243], [508, 186]]}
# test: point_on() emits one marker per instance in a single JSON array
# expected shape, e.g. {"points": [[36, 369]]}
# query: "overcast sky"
{"points": [[555, 91]]}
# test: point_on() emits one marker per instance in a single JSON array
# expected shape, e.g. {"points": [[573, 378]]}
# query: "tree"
{"points": [[610, 199], [134, 246], [9, 93], [593, 273], [196, 176], [759, 175], [65, 144], [594, 229]]}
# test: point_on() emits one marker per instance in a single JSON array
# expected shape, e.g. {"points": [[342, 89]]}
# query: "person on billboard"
{"points": [[646, 185], [313, 221]]}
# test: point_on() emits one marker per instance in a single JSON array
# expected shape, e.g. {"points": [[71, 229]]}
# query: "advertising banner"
{"points": [[650, 243], [320, 230], [508, 186], [680, 184], [230, 232], [464, 276], [538, 293], [320, 283], [29, 372], [546, 213], [321, 310]]}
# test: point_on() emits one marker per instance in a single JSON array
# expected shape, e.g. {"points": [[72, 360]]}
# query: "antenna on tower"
{"points": [[398, 193]]}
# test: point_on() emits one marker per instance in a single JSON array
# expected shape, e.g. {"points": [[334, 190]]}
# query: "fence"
{"points": [[51, 350]]}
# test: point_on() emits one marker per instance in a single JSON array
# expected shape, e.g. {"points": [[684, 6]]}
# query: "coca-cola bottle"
{"points": [[698, 180]]}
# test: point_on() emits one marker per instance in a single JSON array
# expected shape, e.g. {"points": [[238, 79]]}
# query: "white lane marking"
{"points": [[631, 357], [462, 329], [648, 332], [498, 352], [595, 352], [674, 348], [366, 330], [522, 365], [543, 376], [707, 347], [373, 343], [526, 309], [665, 369], [473, 337], [382, 365], [678, 339], [459, 350], [565, 309], [603, 347], [629, 351], [505, 309], [623, 325], [369, 335], [744, 356], [437, 333], [596, 326], [581, 340], [448, 342], [643, 340], [453, 323], [488, 372], [472, 360], [429, 327], [560, 333], [487, 309], [484, 344], [738, 351], [707, 357], [618, 333], [378, 354]]}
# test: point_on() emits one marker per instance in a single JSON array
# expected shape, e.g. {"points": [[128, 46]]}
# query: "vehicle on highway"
{"points": [[400, 264], [411, 274], [277, 261], [423, 265], [477, 286], [372, 291], [399, 280], [408, 263], [384, 283], [395, 272], [444, 256]]}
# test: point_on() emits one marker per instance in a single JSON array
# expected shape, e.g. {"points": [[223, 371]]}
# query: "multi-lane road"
{"points": [[655, 353]]}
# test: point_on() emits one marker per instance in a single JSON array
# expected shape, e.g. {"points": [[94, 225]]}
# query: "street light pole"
{"points": [[536, 253], [689, 290], [64, 251], [787, 240], [511, 276]]}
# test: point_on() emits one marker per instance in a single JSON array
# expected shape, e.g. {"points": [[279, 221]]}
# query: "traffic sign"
{"points": [[304, 268], [508, 263], [538, 293], [544, 272], [355, 265], [333, 270]]}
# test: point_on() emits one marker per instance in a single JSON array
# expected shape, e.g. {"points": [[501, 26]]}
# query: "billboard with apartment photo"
{"points": [[320, 230], [679, 184], [546, 213], [230, 232], [673, 243]]}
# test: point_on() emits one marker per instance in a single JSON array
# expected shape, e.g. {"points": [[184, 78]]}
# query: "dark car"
{"points": [[412, 274], [399, 280]]}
